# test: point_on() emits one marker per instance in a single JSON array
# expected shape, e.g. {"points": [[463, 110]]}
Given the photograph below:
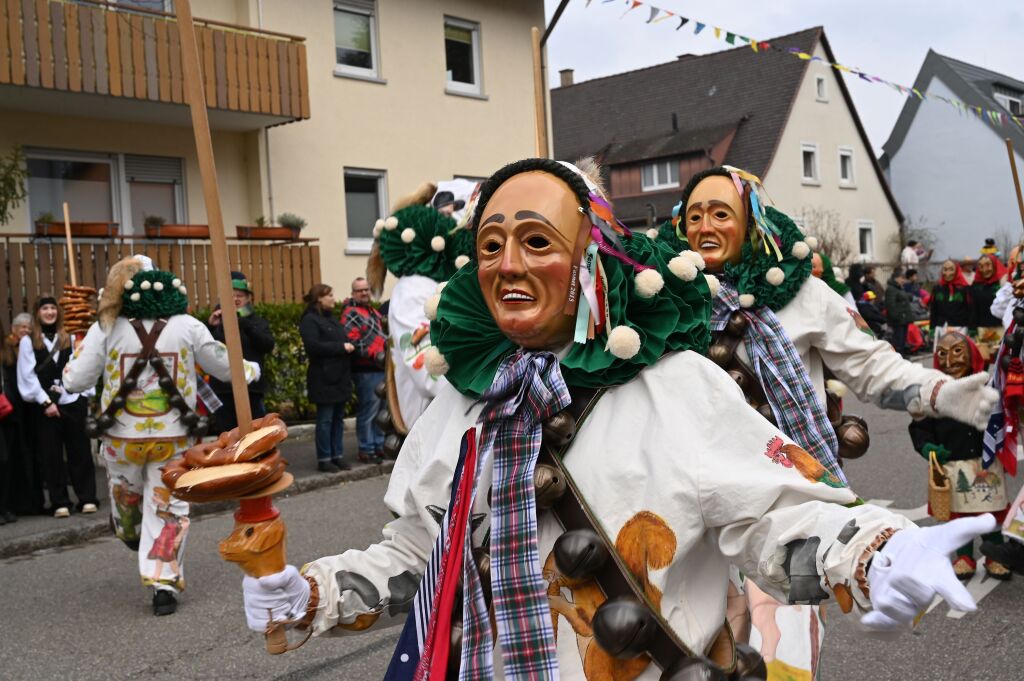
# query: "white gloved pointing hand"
{"points": [[968, 399], [914, 566], [283, 596]]}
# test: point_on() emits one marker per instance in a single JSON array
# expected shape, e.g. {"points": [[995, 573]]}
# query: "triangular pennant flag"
{"points": [[654, 13], [682, 22], [917, 92], [765, 45], [632, 6], [667, 15], [699, 28], [753, 45], [718, 32], [729, 37]]}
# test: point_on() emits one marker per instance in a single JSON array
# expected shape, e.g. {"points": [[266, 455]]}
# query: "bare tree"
{"points": [[833, 234], [915, 228]]}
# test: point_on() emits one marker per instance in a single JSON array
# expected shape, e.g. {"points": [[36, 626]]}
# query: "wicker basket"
{"points": [[940, 491]]}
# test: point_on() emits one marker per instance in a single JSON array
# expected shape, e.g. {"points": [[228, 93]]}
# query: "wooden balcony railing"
{"points": [[96, 47]]}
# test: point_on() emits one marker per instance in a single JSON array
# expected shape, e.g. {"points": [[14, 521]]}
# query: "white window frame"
{"points": [[128, 226], [821, 88], [869, 226], [851, 182], [362, 245], [475, 89], [345, 70], [1004, 100], [658, 185], [117, 183], [816, 178]]}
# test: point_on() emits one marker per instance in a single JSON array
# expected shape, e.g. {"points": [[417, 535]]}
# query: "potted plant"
{"points": [[157, 228], [48, 225], [289, 227]]}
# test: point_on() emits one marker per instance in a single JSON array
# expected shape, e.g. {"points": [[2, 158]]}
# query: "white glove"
{"points": [[252, 371], [968, 399], [913, 567], [283, 596]]}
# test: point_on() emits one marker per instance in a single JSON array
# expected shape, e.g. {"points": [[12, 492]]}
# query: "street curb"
{"points": [[100, 527]]}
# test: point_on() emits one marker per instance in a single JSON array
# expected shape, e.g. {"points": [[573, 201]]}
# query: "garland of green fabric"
{"points": [[667, 234], [750, 272], [676, 318], [418, 256], [828, 275], [154, 294]]}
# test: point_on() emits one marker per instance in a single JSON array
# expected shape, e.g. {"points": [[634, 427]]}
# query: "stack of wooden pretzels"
{"points": [[78, 312], [233, 466]]}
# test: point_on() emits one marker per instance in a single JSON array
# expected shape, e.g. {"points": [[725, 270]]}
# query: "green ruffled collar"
{"points": [[761, 275], [420, 240]]}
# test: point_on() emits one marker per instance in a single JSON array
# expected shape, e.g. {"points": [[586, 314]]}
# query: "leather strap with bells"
{"points": [[627, 625]]}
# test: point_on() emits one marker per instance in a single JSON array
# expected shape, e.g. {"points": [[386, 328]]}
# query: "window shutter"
{"points": [[153, 169], [367, 6]]}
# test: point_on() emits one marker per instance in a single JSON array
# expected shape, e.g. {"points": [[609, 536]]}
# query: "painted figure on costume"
{"points": [[564, 306], [145, 349], [957, 448], [781, 333]]}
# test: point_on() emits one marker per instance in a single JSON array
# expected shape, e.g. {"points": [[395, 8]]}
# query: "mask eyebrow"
{"points": [[496, 218], [529, 214]]}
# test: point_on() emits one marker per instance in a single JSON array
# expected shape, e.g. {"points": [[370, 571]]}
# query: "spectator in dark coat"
{"points": [[897, 306], [952, 304], [24, 478], [257, 343], [855, 281], [991, 273], [867, 306], [329, 376]]}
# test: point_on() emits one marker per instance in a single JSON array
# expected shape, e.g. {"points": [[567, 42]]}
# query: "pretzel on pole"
{"points": [[257, 542], [78, 311]]}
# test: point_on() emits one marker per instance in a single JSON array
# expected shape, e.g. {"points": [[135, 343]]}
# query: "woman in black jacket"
{"points": [[329, 377]]}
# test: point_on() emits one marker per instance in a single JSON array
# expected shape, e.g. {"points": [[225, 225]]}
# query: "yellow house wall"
{"points": [[830, 125]]}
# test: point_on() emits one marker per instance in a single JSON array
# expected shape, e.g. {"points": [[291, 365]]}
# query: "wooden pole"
{"points": [[1016, 179], [71, 249], [211, 193], [538, 94]]}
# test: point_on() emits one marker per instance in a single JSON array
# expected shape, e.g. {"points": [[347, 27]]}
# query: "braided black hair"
{"points": [[576, 183], [717, 171]]}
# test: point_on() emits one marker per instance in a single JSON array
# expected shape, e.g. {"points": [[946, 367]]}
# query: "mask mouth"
{"points": [[710, 243], [516, 296]]}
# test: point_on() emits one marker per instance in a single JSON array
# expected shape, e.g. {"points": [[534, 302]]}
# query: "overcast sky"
{"points": [[885, 38]]}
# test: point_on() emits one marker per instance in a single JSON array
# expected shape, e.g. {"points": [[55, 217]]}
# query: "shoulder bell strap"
{"points": [[614, 577]]}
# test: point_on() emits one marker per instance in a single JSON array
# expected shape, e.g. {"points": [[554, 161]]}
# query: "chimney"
{"points": [[675, 122], [566, 76]]}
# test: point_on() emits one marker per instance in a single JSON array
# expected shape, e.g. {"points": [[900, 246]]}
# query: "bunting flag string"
{"points": [[659, 14]]}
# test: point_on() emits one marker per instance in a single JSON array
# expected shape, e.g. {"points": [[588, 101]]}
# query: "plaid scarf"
{"points": [[795, 403], [528, 388]]}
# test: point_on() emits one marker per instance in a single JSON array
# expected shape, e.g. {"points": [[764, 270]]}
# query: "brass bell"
{"points": [[383, 420], [392, 445], [623, 628], [692, 669], [740, 378], [549, 485], [559, 430], [749, 664], [765, 410], [381, 390], [854, 438], [190, 419], [737, 324], [720, 354], [579, 554]]}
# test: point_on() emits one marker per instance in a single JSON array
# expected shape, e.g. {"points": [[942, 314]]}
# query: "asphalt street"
{"points": [[79, 612]]}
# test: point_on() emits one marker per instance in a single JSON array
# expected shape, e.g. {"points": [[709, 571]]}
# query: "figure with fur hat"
{"points": [[579, 399], [145, 348]]}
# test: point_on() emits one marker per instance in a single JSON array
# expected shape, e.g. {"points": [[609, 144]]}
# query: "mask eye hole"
{"points": [[490, 247], [538, 242], [248, 531]]}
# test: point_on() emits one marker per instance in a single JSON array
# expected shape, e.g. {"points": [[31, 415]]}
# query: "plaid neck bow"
{"points": [[528, 389], [795, 403]]}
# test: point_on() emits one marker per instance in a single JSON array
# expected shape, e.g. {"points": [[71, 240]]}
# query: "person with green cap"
{"points": [[257, 343]]}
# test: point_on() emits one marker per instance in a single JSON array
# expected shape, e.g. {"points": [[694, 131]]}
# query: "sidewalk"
{"points": [[33, 533]]}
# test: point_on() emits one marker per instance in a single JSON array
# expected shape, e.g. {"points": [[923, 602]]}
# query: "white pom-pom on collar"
{"points": [[435, 362], [440, 287], [461, 261], [775, 276], [652, 234], [684, 268], [430, 306], [135, 297], [747, 300], [801, 250], [812, 242], [437, 244], [158, 286], [648, 283], [391, 223], [696, 258], [408, 234], [146, 285], [129, 285], [623, 342], [713, 284]]}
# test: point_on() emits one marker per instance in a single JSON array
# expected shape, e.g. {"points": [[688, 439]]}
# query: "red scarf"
{"points": [[998, 270], [958, 281]]}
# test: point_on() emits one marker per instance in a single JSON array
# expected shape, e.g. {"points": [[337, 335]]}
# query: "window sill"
{"points": [[659, 188], [810, 183], [470, 95], [339, 73], [823, 101], [358, 250], [847, 186]]}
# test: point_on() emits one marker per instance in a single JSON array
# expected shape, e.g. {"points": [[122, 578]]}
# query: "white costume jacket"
{"points": [[827, 332], [183, 343], [409, 329], [681, 472]]}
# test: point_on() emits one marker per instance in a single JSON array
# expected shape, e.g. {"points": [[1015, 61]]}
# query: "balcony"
{"points": [[58, 57]]}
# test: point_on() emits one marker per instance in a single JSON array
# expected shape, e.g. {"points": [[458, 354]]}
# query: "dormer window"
{"points": [[1011, 102], [659, 175]]}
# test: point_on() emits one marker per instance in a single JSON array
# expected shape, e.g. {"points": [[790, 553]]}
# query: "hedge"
{"points": [[285, 367]]}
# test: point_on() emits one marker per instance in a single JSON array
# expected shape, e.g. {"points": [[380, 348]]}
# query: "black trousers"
{"points": [[57, 437], [899, 338], [24, 484]]}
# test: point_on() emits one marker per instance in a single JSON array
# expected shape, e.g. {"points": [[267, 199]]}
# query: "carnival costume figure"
{"points": [[146, 348], [954, 453], [669, 478], [794, 346]]}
